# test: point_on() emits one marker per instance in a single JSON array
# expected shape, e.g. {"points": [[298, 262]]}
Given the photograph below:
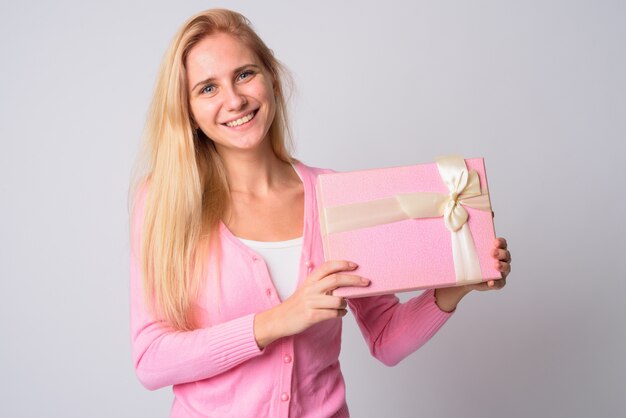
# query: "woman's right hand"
{"points": [[311, 303]]}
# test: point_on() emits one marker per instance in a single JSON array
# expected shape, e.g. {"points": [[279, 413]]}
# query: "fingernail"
{"points": [[352, 265], [364, 280], [490, 283]]}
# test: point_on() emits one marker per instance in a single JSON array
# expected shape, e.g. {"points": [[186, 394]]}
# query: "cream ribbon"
{"points": [[464, 190]]}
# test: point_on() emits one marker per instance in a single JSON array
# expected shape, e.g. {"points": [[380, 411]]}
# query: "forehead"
{"points": [[217, 56]]}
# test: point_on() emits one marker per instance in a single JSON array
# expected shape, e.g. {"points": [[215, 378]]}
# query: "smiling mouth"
{"points": [[241, 121]]}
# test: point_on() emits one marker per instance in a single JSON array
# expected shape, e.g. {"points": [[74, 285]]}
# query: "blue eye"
{"points": [[246, 74], [208, 89]]}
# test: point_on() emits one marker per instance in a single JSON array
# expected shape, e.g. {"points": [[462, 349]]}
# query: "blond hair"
{"points": [[188, 192]]}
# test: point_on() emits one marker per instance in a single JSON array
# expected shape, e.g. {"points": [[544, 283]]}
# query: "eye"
{"points": [[245, 75], [208, 89]]}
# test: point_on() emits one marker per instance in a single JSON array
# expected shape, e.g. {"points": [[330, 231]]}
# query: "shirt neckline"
{"points": [[290, 243], [300, 171]]}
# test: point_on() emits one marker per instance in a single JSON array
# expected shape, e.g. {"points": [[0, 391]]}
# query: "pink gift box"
{"points": [[406, 254]]}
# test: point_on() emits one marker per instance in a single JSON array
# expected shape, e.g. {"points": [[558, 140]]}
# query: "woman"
{"points": [[237, 334]]}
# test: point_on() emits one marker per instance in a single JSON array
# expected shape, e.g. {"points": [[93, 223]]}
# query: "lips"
{"points": [[242, 120]]}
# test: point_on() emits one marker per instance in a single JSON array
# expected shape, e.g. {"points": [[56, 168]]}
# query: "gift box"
{"points": [[408, 228]]}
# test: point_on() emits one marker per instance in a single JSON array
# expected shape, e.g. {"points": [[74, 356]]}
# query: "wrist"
{"points": [[447, 298], [264, 332]]}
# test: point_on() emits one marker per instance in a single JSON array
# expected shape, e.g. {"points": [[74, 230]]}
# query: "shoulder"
{"points": [[309, 172]]}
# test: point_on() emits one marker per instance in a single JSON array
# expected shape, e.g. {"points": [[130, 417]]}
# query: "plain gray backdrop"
{"points": [[537, 88]]}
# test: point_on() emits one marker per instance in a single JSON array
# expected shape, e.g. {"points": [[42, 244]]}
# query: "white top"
{"points": [[283, 262]]}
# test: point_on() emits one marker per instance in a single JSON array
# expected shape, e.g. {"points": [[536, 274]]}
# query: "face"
{"points": [[230, 93]]}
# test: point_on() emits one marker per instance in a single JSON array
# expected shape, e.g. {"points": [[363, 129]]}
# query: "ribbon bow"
{"points": [[464, 190]]}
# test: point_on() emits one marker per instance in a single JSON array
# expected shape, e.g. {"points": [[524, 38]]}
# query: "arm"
{"points": [[163, 356], [393, 330]]}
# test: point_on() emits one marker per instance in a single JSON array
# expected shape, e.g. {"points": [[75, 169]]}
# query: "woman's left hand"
{"points": [[447, 298], [502, 263]]}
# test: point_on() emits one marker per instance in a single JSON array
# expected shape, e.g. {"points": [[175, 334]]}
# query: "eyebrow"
{"points": [[235, 71]]}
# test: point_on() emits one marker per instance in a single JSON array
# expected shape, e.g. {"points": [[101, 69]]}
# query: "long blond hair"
{"points": [[187, 187]]}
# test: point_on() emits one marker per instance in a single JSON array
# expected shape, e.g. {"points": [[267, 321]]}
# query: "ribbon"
{"points": [[463, 190]]}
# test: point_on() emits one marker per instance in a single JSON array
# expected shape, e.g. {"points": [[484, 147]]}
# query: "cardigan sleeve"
{"points": [[164, 356], [393, 330]]}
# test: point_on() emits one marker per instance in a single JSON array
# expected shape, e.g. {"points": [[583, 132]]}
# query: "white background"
{"points": [[538, 88]]}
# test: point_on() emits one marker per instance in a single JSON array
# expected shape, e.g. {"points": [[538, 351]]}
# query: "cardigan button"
{"points": [[308, 263], [287, 358], [284, 397]]}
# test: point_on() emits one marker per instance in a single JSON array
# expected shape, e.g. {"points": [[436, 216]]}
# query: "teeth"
{"points": [[240, 121]]}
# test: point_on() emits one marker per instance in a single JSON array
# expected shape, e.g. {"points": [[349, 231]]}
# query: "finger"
{"points": [[500, 243], [332, 302], [330, 267], [496, 284], [335, 313], [502, 255], [482, 286], [503, 267], [332, 282], [323, 314]]}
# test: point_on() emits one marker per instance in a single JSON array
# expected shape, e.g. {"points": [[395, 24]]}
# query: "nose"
{"points": [[234, 99]]}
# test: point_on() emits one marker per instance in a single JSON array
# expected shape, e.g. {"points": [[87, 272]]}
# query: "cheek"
{"points": [[193, 109], [270, 98], [202, 113], [272, 113], [264, 90]]}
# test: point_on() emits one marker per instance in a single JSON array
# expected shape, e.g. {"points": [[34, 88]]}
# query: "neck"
{"points": [[254, 172]]}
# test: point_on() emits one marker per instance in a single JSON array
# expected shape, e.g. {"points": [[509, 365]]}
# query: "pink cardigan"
{"points": [[219, 371]]}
